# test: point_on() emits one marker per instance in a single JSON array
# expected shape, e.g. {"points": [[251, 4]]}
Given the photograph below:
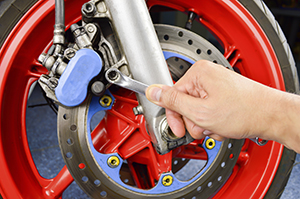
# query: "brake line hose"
{"points": [[59, 27]]}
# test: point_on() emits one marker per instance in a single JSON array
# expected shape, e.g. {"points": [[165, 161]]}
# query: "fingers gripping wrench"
{"points": [[114, 76]]}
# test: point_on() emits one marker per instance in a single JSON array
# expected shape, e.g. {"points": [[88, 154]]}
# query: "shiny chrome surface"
{"points": [[114, 76]]}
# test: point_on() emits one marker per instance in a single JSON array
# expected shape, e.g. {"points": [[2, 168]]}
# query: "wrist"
{"points": [[285, 120]]}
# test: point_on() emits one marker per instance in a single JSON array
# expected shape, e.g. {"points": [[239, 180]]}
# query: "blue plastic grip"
{"points": [[73, 83]]}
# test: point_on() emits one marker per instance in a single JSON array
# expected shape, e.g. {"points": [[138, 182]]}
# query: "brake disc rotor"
{"points": [[95, 161]]}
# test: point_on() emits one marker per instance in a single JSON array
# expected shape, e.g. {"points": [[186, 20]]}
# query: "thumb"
{"points": [[170, 98]]}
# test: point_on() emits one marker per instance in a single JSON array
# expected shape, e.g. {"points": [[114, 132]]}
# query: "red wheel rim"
{"points": [[231, 23]]}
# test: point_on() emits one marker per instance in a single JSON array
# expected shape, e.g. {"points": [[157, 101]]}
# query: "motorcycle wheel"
{"points": [[253, 44]]}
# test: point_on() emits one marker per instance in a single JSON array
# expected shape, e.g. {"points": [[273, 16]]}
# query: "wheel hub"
{"points": [[99, 158]]}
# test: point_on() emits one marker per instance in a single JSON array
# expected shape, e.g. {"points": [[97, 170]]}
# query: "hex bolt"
{"points": [[88, 9], [105, 101], [210, 143], [113, 161], [113, 75], [138, 110], [167, 180]]}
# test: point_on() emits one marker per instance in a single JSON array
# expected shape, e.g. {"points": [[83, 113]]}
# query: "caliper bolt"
{"points": [[210, 143], [167, 180], [105, 101], [113, 161]]}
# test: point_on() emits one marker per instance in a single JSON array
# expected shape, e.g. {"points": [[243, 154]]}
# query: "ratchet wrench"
{"points": [[114, 76]]}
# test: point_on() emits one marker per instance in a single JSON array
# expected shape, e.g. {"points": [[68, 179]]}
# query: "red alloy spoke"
{"points": [[126, 100], [111, 143], [58, 184], [193, 150], [244, 43], [132, 145], [121, 116], [37, 69], [232, 55]]}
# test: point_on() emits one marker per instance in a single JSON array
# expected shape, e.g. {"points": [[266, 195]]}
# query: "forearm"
{"points": [[285, 129]]}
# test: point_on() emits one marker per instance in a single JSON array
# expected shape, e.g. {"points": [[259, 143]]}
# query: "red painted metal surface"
{"points": [[246, 47]]}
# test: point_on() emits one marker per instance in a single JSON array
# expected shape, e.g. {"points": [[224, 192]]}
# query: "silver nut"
{"points": [[138, 110], [42, 58]]}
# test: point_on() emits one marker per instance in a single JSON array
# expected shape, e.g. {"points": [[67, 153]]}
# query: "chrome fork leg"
{"points": [[132, 23]]}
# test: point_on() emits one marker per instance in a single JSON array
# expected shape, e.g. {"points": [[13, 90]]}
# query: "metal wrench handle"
{"points": [[114, 76]]}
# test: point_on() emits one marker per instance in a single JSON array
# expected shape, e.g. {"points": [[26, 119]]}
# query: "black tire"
{"points": [[273, 31], [11, 12]]}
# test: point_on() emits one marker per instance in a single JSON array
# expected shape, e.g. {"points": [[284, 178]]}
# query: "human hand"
{"points": [[212, 100]]}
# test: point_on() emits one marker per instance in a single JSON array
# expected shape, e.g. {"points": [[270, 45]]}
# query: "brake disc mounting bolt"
{"points": [[210, 143], [113, 161], [105, 101], [167, 180]]}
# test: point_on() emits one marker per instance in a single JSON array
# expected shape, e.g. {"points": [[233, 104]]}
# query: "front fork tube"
{"points": [[133, 25]]}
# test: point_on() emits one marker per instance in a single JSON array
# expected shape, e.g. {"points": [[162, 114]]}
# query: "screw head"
{"points": [[90, 29], [52, 82], [98, 88], [210, 143], [167, 180], [69, 53], [105, 101], [113, 161]]}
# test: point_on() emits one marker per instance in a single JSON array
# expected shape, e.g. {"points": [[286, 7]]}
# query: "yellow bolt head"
{"points": [[105, 101], [167, 180], [113, 161], [210, 143]]}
